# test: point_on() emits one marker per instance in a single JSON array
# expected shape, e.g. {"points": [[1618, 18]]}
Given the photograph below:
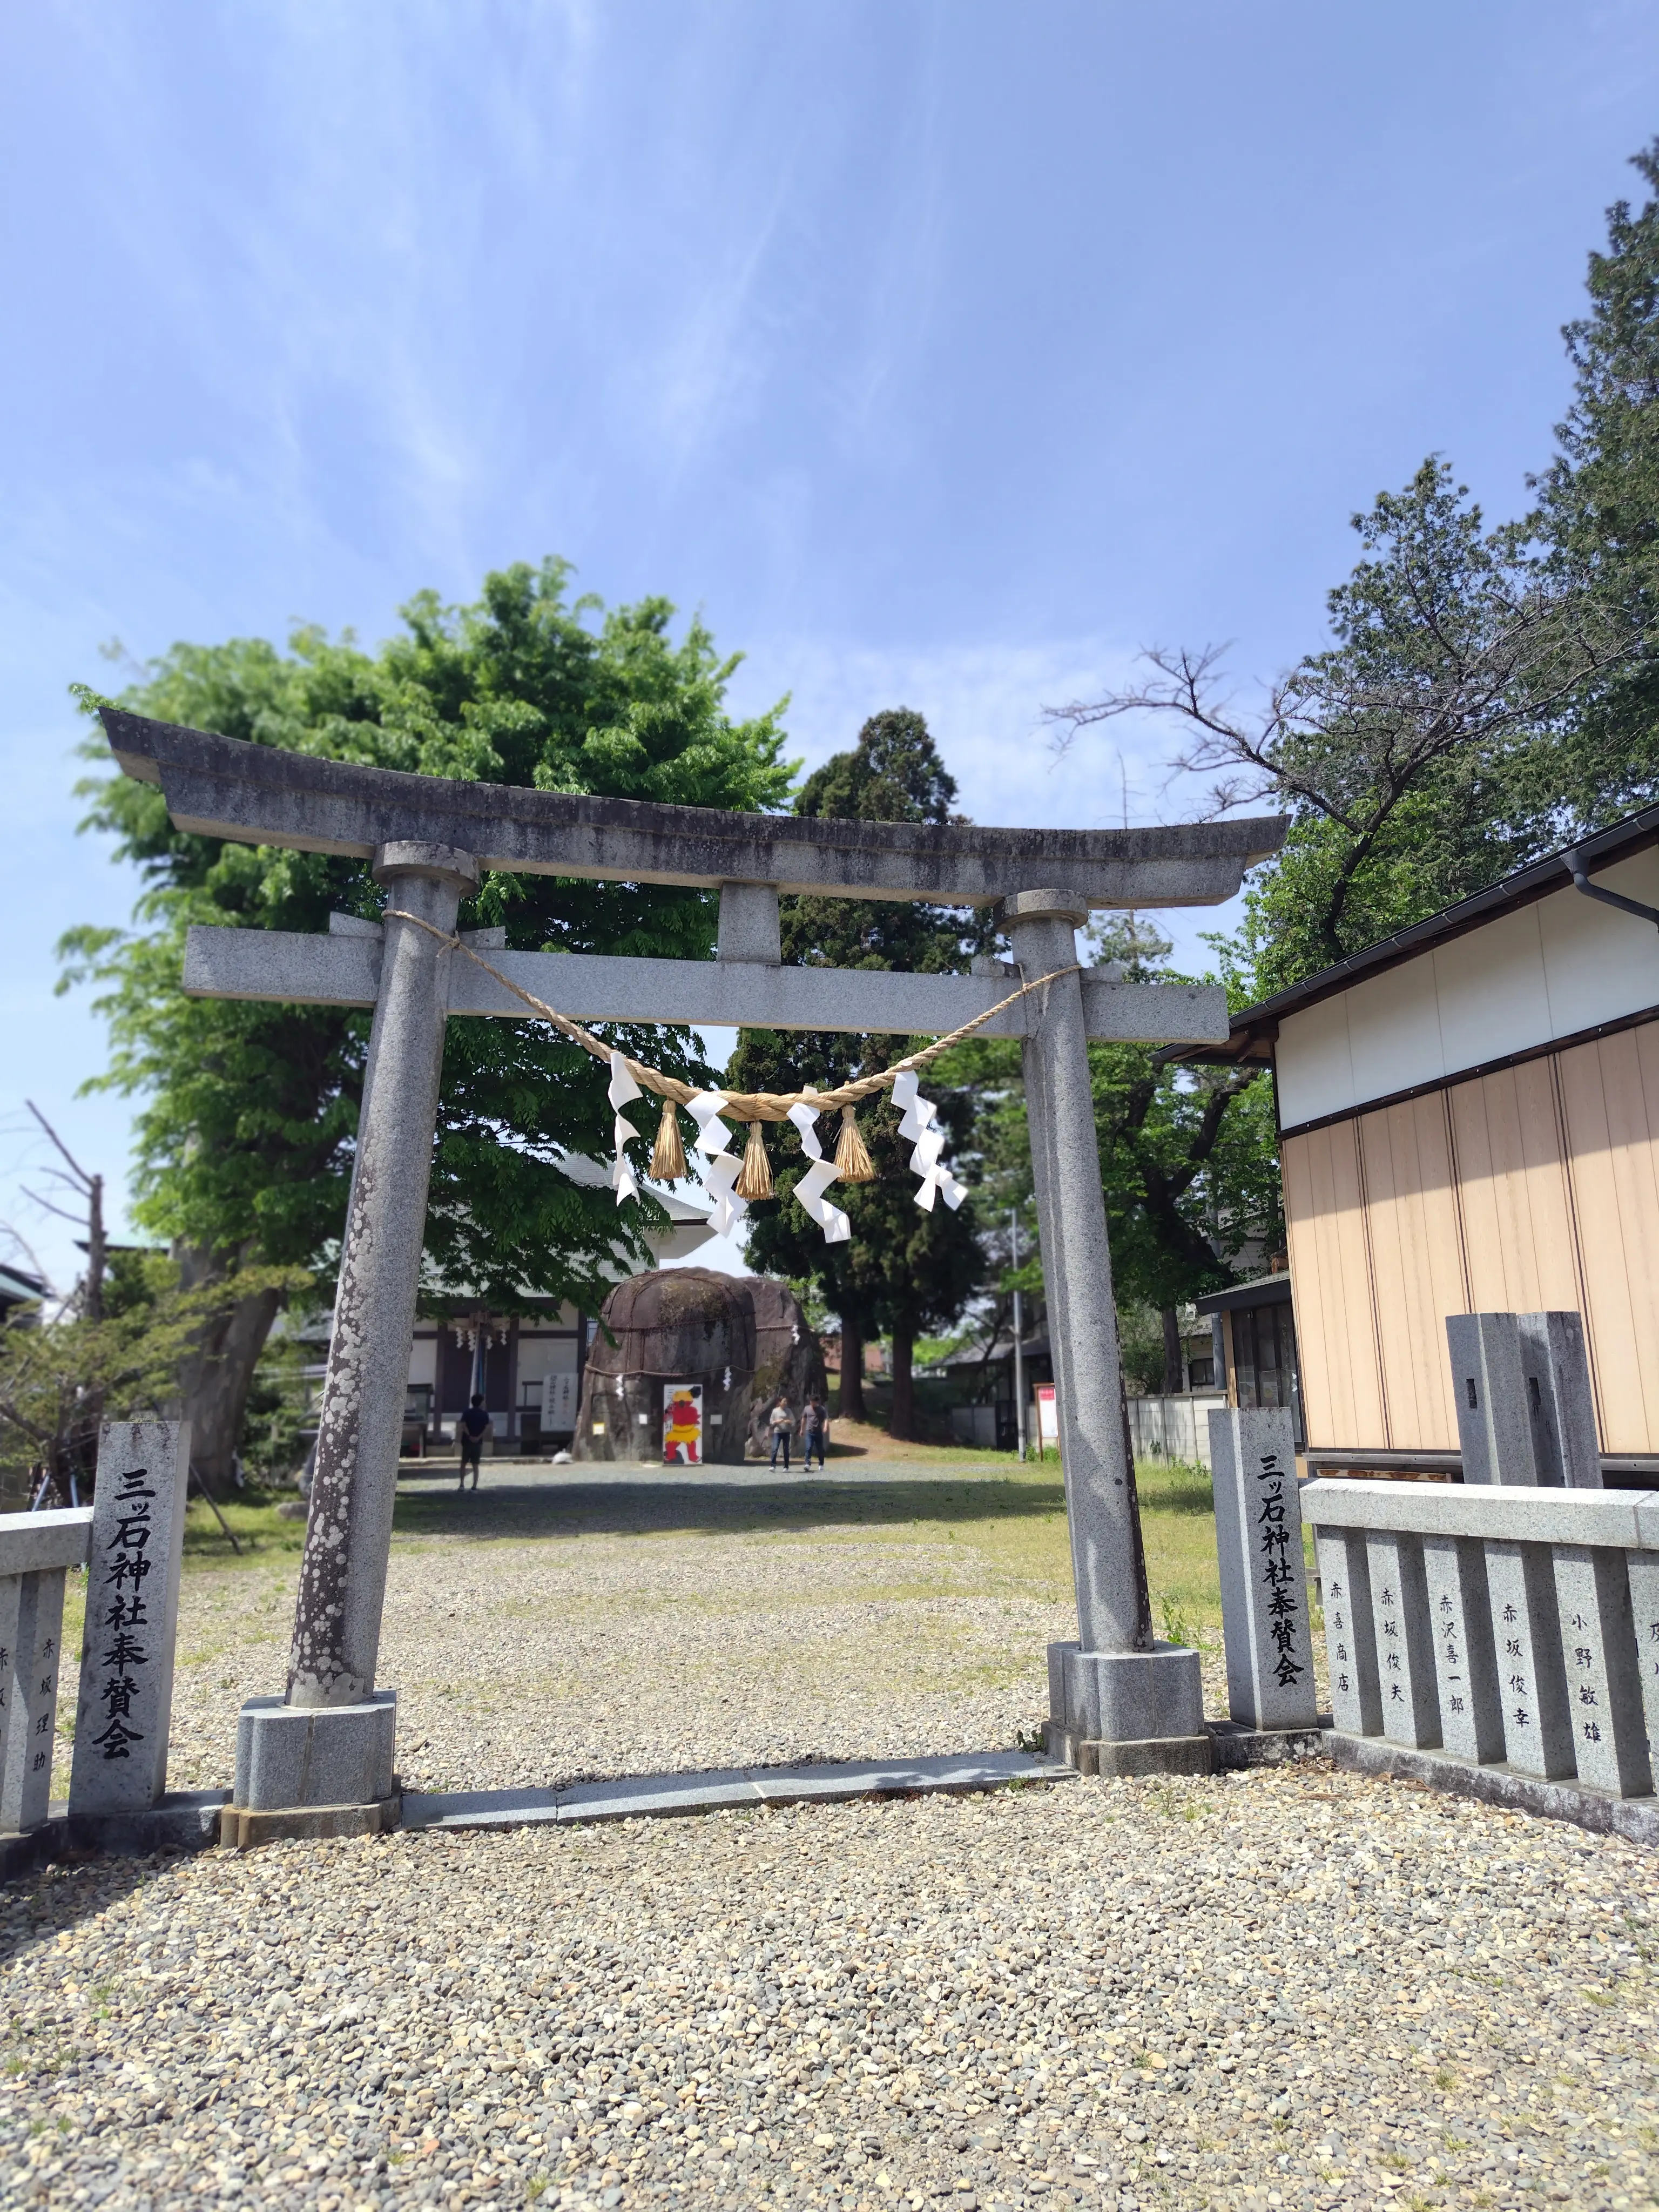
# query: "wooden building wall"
{"points": [[1537, 1186]]}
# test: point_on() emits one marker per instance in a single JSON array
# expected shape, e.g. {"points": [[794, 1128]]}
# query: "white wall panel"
{"points": [[1491, 985], [1394, 1031], [1312, 1062], [1600, 964], [1550, 970], [545, 1355]]}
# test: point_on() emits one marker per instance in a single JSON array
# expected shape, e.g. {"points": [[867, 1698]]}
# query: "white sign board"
{"points": [[559, 1401]]}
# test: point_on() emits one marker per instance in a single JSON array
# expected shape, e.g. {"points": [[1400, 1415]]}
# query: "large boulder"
{"points": [[742, 1342], [788, 1358]]}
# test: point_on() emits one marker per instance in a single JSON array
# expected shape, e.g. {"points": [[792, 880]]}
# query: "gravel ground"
{"points": [[1291, 1989], [548, 1661]]}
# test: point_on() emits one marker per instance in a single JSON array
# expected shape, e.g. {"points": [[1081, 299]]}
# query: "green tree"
{"points": [[1188, 1156], [905, 1271], [1486, 694], [114, 1358], [1598, 514], [245, 1132], [1400, 749]]}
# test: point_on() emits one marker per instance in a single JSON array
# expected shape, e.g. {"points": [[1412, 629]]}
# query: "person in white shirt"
{"points": [[781, 1422]]}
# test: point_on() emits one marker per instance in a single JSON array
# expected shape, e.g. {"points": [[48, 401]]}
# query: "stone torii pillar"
{"points": [[319, 1761], [1119, 1702], [337, 1624]]}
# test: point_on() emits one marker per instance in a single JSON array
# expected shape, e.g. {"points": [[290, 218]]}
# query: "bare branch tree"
{"points": [[1383, 733], [1450, 642], [91, 1188]]}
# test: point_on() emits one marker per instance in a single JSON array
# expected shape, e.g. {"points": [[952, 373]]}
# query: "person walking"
{"points": [[814, 1433], [782, 1422], [475, 1425]]}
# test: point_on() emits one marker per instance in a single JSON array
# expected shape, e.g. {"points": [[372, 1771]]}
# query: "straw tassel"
{"points": [[853, 1161], [755, 1179], [668, 1153]]}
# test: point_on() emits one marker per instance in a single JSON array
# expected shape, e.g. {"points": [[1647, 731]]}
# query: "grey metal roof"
{"points": [[1265, 1290]]}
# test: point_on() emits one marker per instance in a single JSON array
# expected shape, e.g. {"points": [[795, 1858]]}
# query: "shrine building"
{"points": [[1469, 1121]]}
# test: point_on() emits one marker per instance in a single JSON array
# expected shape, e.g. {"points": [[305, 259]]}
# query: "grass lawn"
{"points": [[1014, 1515]]}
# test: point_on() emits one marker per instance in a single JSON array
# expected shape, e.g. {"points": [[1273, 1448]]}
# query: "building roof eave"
{"points": [[1265, 1290]]}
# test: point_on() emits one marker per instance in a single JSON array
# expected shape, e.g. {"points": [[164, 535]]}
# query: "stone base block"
{"points": [[1125, 1697], [184, 1821], [1234, 1746], [289, 1757], [26, 1854], [1636, 1818], [1159, 1754], [241, 1830]]}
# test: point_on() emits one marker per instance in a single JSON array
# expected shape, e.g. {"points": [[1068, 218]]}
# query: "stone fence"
{"points": [[1498, 1627], [132, 1540], [36, 1552]]}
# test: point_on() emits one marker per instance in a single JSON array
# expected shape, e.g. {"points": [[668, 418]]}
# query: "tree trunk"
{"points": [[900, 1425], [216, 1378], [852, 1371], [1174, 1375], [97, 1249], [92, 1304]]}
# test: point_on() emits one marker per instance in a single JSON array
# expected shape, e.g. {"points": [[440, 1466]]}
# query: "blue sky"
{"points": [[941, 353]]}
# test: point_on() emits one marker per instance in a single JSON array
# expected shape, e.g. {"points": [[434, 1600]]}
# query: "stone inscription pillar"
{"points": [[336, 1624], [1264, 1584], [132, 1618]]}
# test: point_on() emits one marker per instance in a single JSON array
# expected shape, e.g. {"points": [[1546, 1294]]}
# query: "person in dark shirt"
{"points": [[474, 1426], [814, 1428]]}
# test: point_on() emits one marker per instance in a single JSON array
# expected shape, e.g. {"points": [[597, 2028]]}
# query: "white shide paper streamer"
{"points": [[919, 1122], [810, 1190], [623, 1091]]}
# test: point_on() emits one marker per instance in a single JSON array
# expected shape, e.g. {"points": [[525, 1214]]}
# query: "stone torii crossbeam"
{"points": [[320, 1758]]}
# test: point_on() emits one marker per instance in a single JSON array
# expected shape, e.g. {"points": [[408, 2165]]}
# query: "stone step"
{"points": [[653, 1796]]}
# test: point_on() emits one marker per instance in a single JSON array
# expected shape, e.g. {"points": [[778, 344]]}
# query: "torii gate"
{"points": [[1118, 1701]]}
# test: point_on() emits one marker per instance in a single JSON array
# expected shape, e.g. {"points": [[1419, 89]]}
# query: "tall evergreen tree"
{"points": [[1405, 751], [1598, 513], [906, 1271]]}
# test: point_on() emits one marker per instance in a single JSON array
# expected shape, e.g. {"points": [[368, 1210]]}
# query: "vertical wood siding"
{"points": [[1342, 1373], [1610, 1108], [1537, 1186], [1418, 1256]]}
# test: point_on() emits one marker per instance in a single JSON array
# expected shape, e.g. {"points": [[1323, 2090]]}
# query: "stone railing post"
{"points": [[1120, 1702], [36, 1549]]}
